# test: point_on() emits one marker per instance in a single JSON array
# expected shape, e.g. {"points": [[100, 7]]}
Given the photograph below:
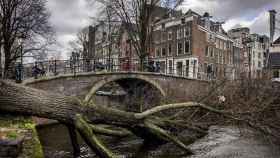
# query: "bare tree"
{"points": [[138, 17], [22, 21], [80, 44]]}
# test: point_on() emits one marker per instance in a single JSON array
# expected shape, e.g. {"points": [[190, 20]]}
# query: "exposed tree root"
{"points": [[165, 136], [91, 139], [110, 132]]}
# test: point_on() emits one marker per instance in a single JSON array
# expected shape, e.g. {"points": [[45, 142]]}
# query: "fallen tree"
{"points": [[85, 117]]}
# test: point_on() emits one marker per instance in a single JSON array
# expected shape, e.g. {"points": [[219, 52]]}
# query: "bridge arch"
{"points": [[109, 79]]}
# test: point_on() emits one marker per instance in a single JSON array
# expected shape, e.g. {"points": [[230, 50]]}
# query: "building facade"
{"points": [[193, 46], [259, 51], [105, 46], [253, 51], [274, 60]]}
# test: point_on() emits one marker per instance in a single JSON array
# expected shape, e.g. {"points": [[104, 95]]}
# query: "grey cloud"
{"points": [[69, 16], [240, 10], [236, 8]]}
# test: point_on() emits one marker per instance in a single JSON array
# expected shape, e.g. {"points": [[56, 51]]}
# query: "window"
{"points": [[259, 55], [259, 64], [183, 20], [157, 52], [194, 68], [179, 68], [179, 48], [163, 26], [229, 59], [211, 51], [169, 35], [276, 74], [169, 50], [221, 57], [170, 66], [217, 43], [206, 51], [178, 34], [187, 32], [187, 68], [163, 36], [221, 44], [163, 52], [187, 47], [211, 38]]}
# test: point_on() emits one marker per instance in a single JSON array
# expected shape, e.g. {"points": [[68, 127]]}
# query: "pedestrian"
{"points": [[157, 67]]}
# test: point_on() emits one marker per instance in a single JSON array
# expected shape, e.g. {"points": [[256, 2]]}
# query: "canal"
{"points": [[221, 142]]}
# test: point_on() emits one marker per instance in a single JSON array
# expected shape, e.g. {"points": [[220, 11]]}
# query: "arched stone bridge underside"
{"points": [[85, 85]]}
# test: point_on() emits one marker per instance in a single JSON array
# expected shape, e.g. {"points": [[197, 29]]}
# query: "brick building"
{"points": [[194, 46], [120, 48]]}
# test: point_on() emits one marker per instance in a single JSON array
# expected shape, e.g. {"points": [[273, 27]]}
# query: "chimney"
{"points": [[272, 15]]}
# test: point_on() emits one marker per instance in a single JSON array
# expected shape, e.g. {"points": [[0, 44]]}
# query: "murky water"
{"points": [[221, 142]]}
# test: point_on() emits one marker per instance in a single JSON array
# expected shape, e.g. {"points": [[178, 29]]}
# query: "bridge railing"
{"points": [[58, 67]]}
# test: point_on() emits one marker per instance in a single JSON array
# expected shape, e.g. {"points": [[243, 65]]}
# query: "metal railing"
{"points": [[57, 67]]}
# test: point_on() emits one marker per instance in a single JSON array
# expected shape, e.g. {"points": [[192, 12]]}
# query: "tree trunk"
{"points": [[23, 100], [28, 101]]}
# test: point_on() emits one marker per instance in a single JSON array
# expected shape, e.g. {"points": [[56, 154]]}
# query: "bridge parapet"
{"points": [[75, 67], [85, 85]]}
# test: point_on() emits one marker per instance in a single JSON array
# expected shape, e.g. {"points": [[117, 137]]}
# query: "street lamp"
{"points": [[19, 66]]}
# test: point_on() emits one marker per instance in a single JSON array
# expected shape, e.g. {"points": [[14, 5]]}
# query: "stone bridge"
{"points": [[85, 85]]}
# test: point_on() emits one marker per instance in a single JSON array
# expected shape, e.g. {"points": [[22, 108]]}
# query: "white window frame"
{"points": [[162, 52], [169, 52], [182, 49], [178, 34], [189, 49]]}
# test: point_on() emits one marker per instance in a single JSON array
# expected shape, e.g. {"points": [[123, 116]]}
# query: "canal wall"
{"points": [[19, 138]]}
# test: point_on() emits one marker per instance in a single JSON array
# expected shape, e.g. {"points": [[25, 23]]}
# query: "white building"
{"points": [[258, 53]]}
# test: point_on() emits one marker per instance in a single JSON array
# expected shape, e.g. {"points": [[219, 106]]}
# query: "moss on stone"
{"points": [[31, 146]]}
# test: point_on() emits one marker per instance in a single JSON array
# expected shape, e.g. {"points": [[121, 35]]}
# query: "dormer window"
{"points": [[183, 20]]}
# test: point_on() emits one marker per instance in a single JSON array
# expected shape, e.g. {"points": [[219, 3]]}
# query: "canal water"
{"points": [[221, 142]]}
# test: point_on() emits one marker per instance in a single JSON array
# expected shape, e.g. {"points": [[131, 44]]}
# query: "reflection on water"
{"points": [[221, 142]]}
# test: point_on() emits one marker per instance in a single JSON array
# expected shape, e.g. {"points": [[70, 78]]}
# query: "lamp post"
{"points": [[19, 66]]}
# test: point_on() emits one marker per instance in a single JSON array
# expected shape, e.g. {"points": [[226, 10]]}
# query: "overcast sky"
{"points": [[69, 16]]}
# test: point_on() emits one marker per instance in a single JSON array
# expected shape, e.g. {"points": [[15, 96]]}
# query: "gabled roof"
{"points": [[274, 60], [277, 41], [190, 13]]}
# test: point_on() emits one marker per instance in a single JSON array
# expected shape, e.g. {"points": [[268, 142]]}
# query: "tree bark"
{"points": [[23, 100]]}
